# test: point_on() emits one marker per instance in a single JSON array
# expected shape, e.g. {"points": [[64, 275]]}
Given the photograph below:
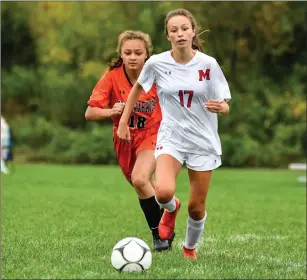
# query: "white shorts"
{"points": [[192, 161]]}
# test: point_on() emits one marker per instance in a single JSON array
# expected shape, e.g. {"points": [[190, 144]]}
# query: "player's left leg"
{"points": [[145, 163], [200, 171], [142, 172], [199, 185]]}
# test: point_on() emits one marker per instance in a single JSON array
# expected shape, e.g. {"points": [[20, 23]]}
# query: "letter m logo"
{"points": [[205, 75]]}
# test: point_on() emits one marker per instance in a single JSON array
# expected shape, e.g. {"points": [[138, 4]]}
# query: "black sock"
{"points": [[151, 210], [161, 212]]}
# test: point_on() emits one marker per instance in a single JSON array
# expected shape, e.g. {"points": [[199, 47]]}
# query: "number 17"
{"points": [[181, 94]]}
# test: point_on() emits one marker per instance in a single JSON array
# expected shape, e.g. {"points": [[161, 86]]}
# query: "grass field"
{"points": [[62, 222]]}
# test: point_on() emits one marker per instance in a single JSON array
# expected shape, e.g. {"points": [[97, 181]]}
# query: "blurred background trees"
{"points": [[53, 53]]}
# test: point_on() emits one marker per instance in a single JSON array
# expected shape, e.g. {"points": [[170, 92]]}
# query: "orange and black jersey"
{"points": [[114, 86]]}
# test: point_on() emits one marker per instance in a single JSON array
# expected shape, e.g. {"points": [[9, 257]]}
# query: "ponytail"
{"points": [[196, 44], [116, 62]]}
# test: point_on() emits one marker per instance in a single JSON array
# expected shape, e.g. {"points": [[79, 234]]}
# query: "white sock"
{"points": [[169, 206], [3, 167], [194, 232]]}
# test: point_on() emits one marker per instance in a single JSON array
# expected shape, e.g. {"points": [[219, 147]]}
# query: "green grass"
{"points": [[62, 222]]}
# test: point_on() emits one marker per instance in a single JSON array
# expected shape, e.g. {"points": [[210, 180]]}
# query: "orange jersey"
{"points": [[114, 86]]}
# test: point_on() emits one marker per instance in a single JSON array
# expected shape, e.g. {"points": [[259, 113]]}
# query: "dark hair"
{"points": [[130, 35], [196, 43]]}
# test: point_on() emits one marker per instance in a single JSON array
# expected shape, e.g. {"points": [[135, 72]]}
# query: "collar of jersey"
{"points": [[180, 64], [126, 75]]}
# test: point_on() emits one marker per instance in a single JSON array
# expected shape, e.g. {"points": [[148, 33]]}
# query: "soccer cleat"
{"points": [[167, 222], [189, 253], [170, 241], [160, 245]]}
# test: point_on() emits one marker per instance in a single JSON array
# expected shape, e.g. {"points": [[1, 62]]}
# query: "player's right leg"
{"points": [[4, 168], [138, 170], [168, 166], [141, 176]]}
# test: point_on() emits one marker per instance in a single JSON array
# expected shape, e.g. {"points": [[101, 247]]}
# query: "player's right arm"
{"points": [[96, 113], [123, 131], [144, 82], [100, 100]]}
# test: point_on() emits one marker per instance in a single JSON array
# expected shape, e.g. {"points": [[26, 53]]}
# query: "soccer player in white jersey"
{"points": [[192, 90]]}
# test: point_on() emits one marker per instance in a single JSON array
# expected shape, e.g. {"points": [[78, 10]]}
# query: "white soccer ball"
{"points": [[131, 254]]}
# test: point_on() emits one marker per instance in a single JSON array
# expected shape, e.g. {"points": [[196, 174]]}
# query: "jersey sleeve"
{"points": [[102, 91], [147, 75], [220, 86]]}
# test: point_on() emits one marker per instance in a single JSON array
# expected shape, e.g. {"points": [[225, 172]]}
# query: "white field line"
{"points": [[289, 265], [297, 166], [249, 236], [234, 238]]}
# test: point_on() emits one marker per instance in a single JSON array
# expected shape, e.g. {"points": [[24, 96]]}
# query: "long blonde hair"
{"points": [[130, 35]]}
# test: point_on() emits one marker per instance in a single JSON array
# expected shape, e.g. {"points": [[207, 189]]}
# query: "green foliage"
{"points": [[20, 87], [65, 96], [261, 47], [57, 95], [17, 44], [51, 142]]}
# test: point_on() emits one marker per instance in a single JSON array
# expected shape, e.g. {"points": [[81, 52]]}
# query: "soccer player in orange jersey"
{"points": [[136, 157]]}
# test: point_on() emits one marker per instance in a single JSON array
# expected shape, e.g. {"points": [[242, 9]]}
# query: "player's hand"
{"points": [[123, 132], [215, 106], [117, 109]]}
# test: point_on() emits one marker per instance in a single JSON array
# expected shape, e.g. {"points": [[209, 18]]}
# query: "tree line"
{"points": [[53, 53]]}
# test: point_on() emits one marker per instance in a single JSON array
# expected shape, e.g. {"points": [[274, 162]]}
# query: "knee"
{"points": [[196, 210], [163, 193], [139, 180]]}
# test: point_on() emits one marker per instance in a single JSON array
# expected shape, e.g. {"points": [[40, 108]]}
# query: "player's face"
{"points": [[180, 32], [133, 53]]}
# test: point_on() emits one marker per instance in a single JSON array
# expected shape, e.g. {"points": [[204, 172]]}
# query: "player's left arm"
{"points": [[220, 92], [215, 106]]}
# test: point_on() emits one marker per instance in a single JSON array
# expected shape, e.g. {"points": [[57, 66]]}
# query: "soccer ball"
{"points": [[131, 254]]}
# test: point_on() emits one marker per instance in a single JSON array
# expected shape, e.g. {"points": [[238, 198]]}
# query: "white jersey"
{"points": [[183, 89]]}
